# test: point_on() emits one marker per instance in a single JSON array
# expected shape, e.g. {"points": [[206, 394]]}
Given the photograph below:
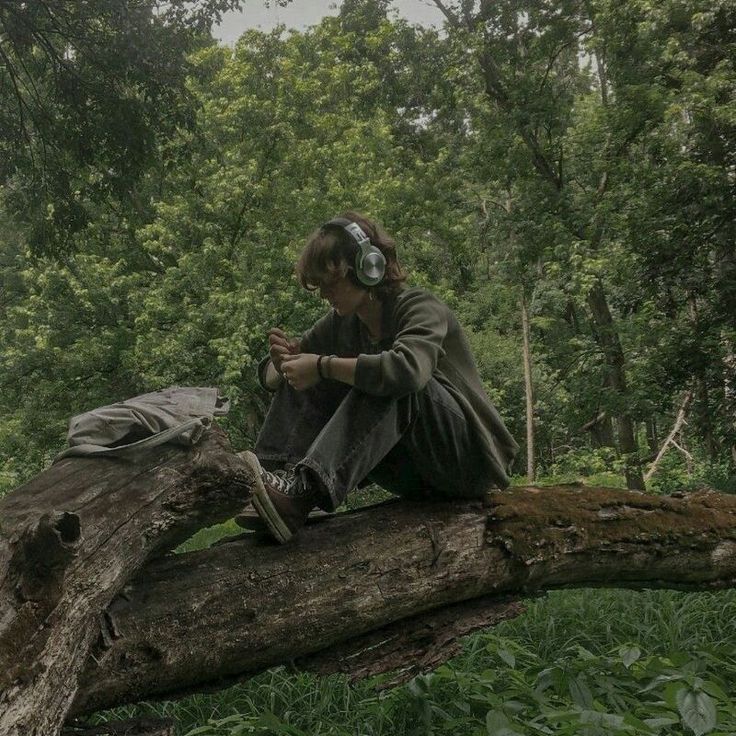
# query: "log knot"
{"points": [[44, 555]]}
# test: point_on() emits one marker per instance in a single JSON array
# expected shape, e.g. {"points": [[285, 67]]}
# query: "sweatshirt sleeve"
{"points": [[421, 327], [261, 373]]}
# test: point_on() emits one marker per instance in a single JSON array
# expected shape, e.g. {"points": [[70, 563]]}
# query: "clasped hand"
{"points": [[299, 369]]}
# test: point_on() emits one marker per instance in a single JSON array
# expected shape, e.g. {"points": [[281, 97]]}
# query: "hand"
{"points": [[300, 370], [279, 345]]}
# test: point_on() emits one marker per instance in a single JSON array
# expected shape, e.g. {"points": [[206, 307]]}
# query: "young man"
{"points": [[383, 388]]}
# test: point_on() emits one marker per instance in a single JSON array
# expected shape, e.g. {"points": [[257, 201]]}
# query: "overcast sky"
{"points": [[300, 14]]}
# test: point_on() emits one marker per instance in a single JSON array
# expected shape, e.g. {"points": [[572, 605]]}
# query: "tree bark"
{"points": [[133, 727], [729, 392], [361, 592], [70, 539]]}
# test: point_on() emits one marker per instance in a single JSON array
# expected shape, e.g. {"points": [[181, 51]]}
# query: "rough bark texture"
{"points": [[70, 539], [411, 646], [204, 618]]}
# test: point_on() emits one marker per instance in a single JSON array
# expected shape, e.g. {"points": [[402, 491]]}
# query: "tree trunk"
{"points": [[387, 588], [703, 414], [368, 591], [70, 539], [652, 435], [133, 727], [528, 392], [725, 280], [608, 339]]}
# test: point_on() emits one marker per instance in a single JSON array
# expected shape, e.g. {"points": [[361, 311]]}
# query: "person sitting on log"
{"points": [[383, 388]]}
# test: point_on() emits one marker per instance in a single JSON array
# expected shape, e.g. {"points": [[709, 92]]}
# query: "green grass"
{"points": [[597, 662]]}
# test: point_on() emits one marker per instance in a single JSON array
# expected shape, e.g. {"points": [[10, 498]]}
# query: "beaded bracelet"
{"points": [[319, 367]]}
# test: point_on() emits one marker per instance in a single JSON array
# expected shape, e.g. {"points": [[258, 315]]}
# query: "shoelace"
{"points": [[281, 480], [286, 482]]}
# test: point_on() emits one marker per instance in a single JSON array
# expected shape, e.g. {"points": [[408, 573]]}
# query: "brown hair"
{"points": [[328, 255]]}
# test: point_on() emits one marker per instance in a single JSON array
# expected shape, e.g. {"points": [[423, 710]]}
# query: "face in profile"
{"points": [[344, 296]]}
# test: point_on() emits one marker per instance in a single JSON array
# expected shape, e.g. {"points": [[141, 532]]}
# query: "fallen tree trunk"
{"points": [[137, 727], [363, 592], [71, 538]]}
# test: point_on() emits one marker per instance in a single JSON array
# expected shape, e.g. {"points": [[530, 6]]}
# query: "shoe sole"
{"points": [[262, 503]]}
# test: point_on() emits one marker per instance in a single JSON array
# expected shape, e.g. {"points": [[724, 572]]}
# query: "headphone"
{"points": [[370, 263]]}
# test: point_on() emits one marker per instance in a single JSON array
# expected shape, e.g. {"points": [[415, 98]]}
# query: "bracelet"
{"points": [[328, 363], [319, 367]]}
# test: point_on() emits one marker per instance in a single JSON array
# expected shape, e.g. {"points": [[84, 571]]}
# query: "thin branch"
{"points": [[452, 19], [679, 421], [681, 449], [588, 426]]}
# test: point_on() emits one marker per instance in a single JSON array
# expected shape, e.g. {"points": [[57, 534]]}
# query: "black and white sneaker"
{"points": [[283, 500]]}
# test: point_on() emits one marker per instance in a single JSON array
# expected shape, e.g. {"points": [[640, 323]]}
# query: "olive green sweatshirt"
{"points": [[421, 339]]}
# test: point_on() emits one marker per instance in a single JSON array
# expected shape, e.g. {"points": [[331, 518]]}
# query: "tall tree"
{"points": [[87, 91], [528, 66]]}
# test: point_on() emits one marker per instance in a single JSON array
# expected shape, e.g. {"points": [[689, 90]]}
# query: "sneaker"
{"points": [[283, 501]]}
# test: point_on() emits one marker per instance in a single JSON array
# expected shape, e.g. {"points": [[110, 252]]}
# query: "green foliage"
{"points": [[618, 692], [594, 150], [155, 190], [88, 92]]}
